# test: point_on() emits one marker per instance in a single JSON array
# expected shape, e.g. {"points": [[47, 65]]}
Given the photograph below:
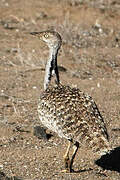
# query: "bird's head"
{"points": [[51, 38]]}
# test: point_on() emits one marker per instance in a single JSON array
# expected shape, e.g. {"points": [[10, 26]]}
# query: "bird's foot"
{"points": [[68, 165], [67, 170], [67, 162]]}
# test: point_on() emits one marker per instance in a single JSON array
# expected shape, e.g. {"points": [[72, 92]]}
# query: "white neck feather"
{"points": [[51, 67]]}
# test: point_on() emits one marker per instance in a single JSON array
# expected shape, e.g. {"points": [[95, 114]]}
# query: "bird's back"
{"points": [[73, 115]]}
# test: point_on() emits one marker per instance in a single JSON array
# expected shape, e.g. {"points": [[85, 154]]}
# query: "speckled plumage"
{"points": [[73, 115], [67, 111]]}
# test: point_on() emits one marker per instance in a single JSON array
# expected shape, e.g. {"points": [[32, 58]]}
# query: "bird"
{"points": [[69, 112]]}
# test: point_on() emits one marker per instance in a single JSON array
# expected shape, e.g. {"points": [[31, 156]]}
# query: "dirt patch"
{"points": [[89, 59]]}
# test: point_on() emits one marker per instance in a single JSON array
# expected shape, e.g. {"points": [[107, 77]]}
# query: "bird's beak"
{"points": [[37, 34], [34, 33]]}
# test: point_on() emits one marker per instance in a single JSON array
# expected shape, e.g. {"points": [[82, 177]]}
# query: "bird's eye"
{"points": [[46, 35]]}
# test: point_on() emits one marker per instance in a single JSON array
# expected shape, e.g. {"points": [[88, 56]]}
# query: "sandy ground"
{"points": [[89, 59]]}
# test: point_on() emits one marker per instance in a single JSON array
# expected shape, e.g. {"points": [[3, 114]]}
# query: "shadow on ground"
{"points": [[110, 161]]}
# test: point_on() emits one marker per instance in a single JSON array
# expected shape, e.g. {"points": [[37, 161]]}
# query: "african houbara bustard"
{"points": [[67, 111]]}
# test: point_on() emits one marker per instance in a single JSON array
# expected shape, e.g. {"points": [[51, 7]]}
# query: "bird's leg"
{"points": [[66, 158], [75, 149]]}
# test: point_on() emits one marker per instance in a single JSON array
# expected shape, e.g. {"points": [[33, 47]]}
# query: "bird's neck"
{"points": [[51, 68]]}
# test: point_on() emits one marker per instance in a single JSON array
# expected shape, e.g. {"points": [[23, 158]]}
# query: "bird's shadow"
{"points": [[110, 161]]}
